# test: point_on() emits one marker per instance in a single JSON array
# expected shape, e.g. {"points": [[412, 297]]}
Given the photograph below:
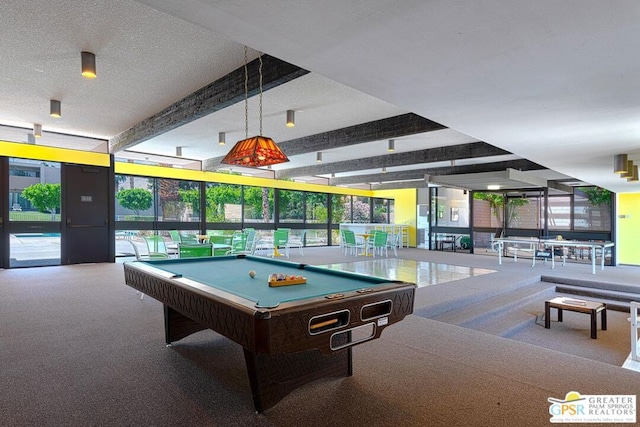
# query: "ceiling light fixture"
{"points": [[178, 151], [222, 138], [55, 108], [620, 163], [392, 145], [493, 187], [319, 157], [88, 65], [629, 172], [258, 150], [291, 118], [634, 175], [37, 130]]}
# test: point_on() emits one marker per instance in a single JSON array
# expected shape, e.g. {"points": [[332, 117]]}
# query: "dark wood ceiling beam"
{"points": [[430, 155], [220, 94], [519, 164], [389, 128]]}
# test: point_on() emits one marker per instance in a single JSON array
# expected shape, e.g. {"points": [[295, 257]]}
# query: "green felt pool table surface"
{"points": [[231, 274]]}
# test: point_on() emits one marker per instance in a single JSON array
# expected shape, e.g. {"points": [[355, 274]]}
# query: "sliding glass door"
{"points": [[34, 213]]}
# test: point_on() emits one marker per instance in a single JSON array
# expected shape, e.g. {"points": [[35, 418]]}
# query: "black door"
{"points": [[4, 211], [86, 211]]}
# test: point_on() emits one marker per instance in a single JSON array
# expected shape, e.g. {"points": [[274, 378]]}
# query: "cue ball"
{"points": [[252, 273]]}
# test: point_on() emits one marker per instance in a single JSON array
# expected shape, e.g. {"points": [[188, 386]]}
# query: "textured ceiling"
{"points": [[552, 82]]}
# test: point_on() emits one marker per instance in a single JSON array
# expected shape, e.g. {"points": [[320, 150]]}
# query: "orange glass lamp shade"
{"points": [[255, 152]]}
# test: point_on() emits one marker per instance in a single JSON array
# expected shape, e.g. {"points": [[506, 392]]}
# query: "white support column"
{"points": [[635, 325]]}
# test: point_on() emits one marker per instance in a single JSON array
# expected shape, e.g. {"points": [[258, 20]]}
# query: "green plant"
{"points": [[496, 202], [597, 196], [45, 197], [135, 199], [218, 196]]}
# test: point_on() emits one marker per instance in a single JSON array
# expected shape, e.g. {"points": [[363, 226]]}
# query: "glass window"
{"points": [[258, 204], [134, 198], [316, 238], [361, 209], [224, 203], [559, 210], [524, 212], [340, 209], [178, 200], [34, 190], [316, 205], [488, 210], [380, 211], [291, 206], [450, 207], [592, 210]]}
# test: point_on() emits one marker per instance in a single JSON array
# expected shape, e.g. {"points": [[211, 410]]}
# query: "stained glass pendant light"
{"points": [[258, 150]]}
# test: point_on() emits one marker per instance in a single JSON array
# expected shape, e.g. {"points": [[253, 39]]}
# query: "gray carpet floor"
{"points": [[79, 348]]}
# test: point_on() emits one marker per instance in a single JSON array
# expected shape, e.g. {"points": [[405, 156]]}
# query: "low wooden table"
{"points": [[579, 306]]}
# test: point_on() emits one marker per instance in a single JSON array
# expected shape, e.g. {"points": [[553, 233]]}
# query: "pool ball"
{"points": [[252, 273]]}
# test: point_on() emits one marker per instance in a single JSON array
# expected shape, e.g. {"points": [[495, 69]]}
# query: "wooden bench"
{"points": [[579, 306]]}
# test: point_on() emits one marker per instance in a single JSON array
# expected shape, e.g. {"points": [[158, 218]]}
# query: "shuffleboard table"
{"points": [[291, 335]]}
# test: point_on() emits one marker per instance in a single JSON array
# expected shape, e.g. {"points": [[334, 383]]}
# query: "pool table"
{"points": [[291, 335]]}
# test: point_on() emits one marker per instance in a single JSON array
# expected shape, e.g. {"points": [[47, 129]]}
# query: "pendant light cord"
{"points": [[246, 96], [260, 72]]}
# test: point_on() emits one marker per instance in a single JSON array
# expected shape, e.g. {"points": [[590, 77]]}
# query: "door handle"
{"points": [[68, 221]]}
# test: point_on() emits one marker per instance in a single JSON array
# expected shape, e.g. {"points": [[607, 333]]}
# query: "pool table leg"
{"points": [[178, 326], [273, 376]]}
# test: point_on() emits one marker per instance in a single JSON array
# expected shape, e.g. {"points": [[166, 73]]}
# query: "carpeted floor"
{"points": [[79, 348]]}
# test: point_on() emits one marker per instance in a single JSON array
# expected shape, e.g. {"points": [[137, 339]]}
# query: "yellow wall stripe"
{"points": [[53, 154]]}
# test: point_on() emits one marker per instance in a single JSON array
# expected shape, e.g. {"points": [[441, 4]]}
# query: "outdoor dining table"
{"points": [[366, 237]]}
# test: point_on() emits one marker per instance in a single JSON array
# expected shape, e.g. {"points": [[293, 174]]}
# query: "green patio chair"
{"points": [[351, 242], [281, 240], [221, 244], [243, 243], [189, 250], [378, 243], [297, 241], [188, 238], [156, 246], [145, 257]]}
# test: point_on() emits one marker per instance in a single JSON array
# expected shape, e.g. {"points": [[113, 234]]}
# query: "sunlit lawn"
{"points": [[32, 216]]}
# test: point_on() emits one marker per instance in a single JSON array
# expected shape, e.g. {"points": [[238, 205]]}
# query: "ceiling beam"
{"points": [[399, 185], [392, 127], [430, 155], [408, 175], [557, 185], [220, 94]]}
